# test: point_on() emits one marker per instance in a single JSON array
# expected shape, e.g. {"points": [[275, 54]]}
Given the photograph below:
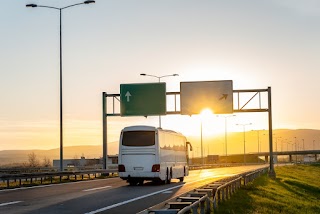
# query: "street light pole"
{"points": [[244, 140], [277, 143], [226, 133], [61, 100], [60, 73], [202, 160], [295, 145], [259, 146], [159, 78]]}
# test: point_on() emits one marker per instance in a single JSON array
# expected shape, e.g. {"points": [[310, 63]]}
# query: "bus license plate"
{"points": [[138, 168]]}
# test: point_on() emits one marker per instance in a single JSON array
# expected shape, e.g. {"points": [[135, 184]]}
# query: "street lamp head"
{"points": [[31, 5], [175, 75], [143, 74], [89, 2]]}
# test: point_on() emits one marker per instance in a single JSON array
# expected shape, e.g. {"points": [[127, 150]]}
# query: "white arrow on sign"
{"points": [[128, 95]]}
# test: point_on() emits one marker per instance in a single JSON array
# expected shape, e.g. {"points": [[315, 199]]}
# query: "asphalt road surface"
{"points": [[111, 195]]}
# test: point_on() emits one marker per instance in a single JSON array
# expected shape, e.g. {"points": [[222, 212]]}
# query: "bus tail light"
{"points": [[156, 168], [121, 168]]}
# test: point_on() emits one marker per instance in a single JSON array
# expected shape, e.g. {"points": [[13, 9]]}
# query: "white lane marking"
{"points": [[131, 200], [167, 192], [98, 188], [50, 185], [140, 197], [9, 203]]}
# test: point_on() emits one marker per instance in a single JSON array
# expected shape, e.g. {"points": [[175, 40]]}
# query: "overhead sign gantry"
{"points": [[150, 99]]}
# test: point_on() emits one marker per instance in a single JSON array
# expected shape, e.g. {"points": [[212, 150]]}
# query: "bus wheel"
{"points": [[168, 178], [133, 182], [140, 182], [181, 179]]}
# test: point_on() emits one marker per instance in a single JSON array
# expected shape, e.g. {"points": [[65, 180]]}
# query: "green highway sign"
{"points": [[143, 99]]}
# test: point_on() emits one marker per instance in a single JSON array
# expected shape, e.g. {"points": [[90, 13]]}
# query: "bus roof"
{"points": [[147, 128], [139, 128]]}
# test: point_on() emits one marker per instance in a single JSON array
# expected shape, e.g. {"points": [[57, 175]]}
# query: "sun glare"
{"points": [[206, 174], [206, 113]]}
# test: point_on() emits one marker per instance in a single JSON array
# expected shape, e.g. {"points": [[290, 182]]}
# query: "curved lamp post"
{"points": [[61, 115], [159, 78]]}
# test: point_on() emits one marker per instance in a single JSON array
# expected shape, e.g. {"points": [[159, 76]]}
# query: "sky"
{"points": [[256, 44]]}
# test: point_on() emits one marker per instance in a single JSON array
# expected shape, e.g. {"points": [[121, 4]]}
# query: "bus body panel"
{"points": [[143, 147], [138, 163]]}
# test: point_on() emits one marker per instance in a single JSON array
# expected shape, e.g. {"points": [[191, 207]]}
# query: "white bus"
{"points": [[149, 153]]}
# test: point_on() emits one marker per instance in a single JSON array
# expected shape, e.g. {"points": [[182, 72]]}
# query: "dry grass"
{"points": [[295, 190]]}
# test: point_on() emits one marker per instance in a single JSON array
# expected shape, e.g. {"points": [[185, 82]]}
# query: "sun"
{"points": [[206, 114]]}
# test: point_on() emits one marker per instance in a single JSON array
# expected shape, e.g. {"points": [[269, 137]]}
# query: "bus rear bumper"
{"points": [[139, 175]]}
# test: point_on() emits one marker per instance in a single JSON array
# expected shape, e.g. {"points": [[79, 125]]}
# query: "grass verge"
{"points": [[295, 190]]}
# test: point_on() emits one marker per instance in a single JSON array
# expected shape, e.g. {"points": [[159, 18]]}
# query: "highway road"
{"points": [[111, 195]]}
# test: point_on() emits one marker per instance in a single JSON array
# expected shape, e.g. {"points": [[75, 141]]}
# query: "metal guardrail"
{"points": [[224, 191], [253, 175], [18, 170], [206, 198], [16, 179], [218, 165]]}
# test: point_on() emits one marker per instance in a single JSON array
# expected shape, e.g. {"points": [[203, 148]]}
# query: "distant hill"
{"points": [[9, 157], [283, 138]]}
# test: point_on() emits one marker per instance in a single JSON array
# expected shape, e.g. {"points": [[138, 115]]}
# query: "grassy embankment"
{"points": [[295, 190]]}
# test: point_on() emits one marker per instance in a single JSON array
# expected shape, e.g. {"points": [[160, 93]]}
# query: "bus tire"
{"points": [[181, 179], [132, 182], [140, 182]]}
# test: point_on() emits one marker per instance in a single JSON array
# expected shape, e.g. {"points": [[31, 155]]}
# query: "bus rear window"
{"points": [[138, 138]]}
